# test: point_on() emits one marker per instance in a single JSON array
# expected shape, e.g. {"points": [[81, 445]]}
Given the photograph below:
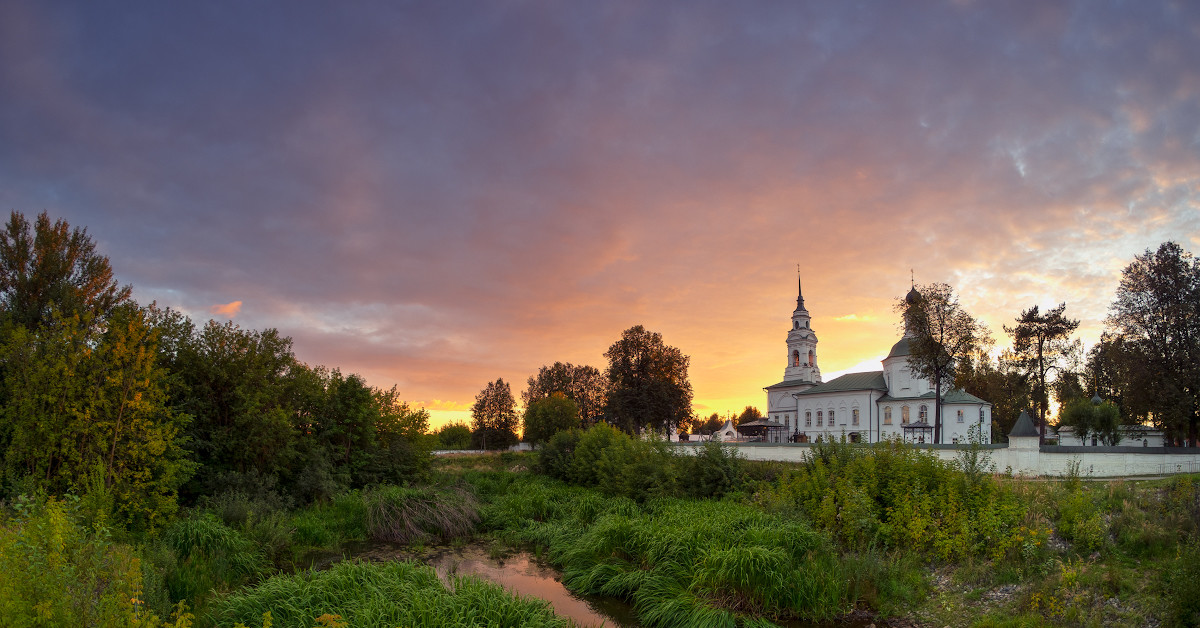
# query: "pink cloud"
{"points": [[228, 310]]}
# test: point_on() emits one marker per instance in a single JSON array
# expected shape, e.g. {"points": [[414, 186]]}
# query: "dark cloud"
{"points": [[439, 193]]}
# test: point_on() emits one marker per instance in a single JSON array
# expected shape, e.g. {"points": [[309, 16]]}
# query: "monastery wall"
{"points": [[1023, 458]]}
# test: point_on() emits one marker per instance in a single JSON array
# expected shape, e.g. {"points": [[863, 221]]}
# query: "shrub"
{"points": [[208, 556]]}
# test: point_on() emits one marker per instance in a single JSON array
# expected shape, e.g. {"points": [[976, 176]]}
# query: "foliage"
{"points": [[1041, 344], [998, 382], [1156, 316], [418, 515], [750, 413], [454, 435], [584, 385], [1102, 421], [494, 417], [546, 416], [82, 401], [56, 572], [942, 334], [53, 267], [648, 383], [206, 556], [382, 595]]}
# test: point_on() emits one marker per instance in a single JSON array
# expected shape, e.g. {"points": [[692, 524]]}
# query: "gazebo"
{"points": [[919, 432], [765, 430]]}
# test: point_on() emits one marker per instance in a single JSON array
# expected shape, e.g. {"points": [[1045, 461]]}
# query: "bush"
{"points": [[208, 556], [1179, 583], [383, 595], [419, 515], [714, 471]]}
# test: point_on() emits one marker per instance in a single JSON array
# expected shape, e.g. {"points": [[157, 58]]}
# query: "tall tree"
{"points": [[750, 413], [942, 334], [999, 382], [1157, 316], [494, 417], [1041, 344], [585, 385], [549, 415], [648, 385], [49, 264]]}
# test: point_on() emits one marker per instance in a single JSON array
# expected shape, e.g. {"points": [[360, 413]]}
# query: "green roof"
{"points": [[953, 396], [872, 380], [901, 348]]}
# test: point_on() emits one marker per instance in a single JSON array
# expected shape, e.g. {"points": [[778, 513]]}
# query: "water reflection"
{"points": [[520, 573]]}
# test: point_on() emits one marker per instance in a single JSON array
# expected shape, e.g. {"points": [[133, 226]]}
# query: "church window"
{"points": [[960, 416], [904, 415], [795, 324], [924, 414], [831, 417], [808, 418], [981, 415], [887, 415], [795, 358], [854, 417], [812, 359], [820, 418]]}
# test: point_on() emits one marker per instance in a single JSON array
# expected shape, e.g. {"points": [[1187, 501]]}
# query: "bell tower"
{"points": [[802, 345]]}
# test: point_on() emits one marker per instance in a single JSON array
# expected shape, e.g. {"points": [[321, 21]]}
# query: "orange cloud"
{"points": [[229, 309]]}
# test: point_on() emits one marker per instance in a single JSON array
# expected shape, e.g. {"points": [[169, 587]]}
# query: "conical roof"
{"points": [[1024, 427]]}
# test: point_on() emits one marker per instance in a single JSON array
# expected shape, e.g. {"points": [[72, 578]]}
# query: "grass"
{"points": [[419, 515], [381, 595]]}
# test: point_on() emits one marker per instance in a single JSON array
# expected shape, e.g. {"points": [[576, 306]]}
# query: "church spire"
{"points": [[799, 290]]}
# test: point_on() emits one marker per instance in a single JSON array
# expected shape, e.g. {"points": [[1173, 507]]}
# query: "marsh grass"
{"points": [[382, 595], [419, 515]]}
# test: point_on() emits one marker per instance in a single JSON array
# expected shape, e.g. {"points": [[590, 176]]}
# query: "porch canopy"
{"points": [[918, 432], [765, 428]]}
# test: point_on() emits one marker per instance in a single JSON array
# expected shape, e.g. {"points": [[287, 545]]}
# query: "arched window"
{"points": [[904, 415], [887, 415], [854, 417], [960, 416], [795, 324], [820, 418], [812, 358], [831, 418], [981, 414], [924, 417], [808, 418], [795, 358]]}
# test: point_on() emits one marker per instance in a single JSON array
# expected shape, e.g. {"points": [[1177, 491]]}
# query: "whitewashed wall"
{"points": [[1023, 457]]}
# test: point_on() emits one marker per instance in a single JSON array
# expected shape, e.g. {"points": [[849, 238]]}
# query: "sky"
{"points": [[437, 194]]}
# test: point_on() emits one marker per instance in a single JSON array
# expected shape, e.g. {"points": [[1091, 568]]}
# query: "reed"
{"points": [[419, 515]]}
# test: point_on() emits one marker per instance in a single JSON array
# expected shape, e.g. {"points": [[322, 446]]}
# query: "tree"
{"points": [[749, 414], [53, 265], [710, 424], [999, 382], [1156, 315], [88, 411], [454, 435], [1041, 343], [549, 415], [1101, 420], [585, 385], [942, 335], [1115, 370], [648, 383], [494, 417]]}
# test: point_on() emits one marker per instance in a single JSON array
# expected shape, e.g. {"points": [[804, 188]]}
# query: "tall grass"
{"points": [[419, 515], [382, 595]]}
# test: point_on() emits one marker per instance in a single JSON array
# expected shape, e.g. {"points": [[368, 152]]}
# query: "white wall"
{"points": [[1022, 459]]}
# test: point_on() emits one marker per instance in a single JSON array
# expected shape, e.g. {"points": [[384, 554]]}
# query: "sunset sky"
{"points": [[436, 194]]}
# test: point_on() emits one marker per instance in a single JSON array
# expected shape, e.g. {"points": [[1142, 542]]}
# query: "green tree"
{"points": [[750, 413], [1041, 345], [585, 385], [648, 383], [47, 265], [88, 408], [1101, 420], [546, 416], [998, 382], [454, 435], [942, 335], [1116, 371], [494, 417], [1156, 315], [710, 424]]}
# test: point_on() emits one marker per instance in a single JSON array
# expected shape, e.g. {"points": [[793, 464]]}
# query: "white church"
{"points": [[893, 403]]}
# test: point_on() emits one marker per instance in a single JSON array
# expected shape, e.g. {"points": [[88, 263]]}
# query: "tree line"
{"points": [[1145, 370], [138, 406]]}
